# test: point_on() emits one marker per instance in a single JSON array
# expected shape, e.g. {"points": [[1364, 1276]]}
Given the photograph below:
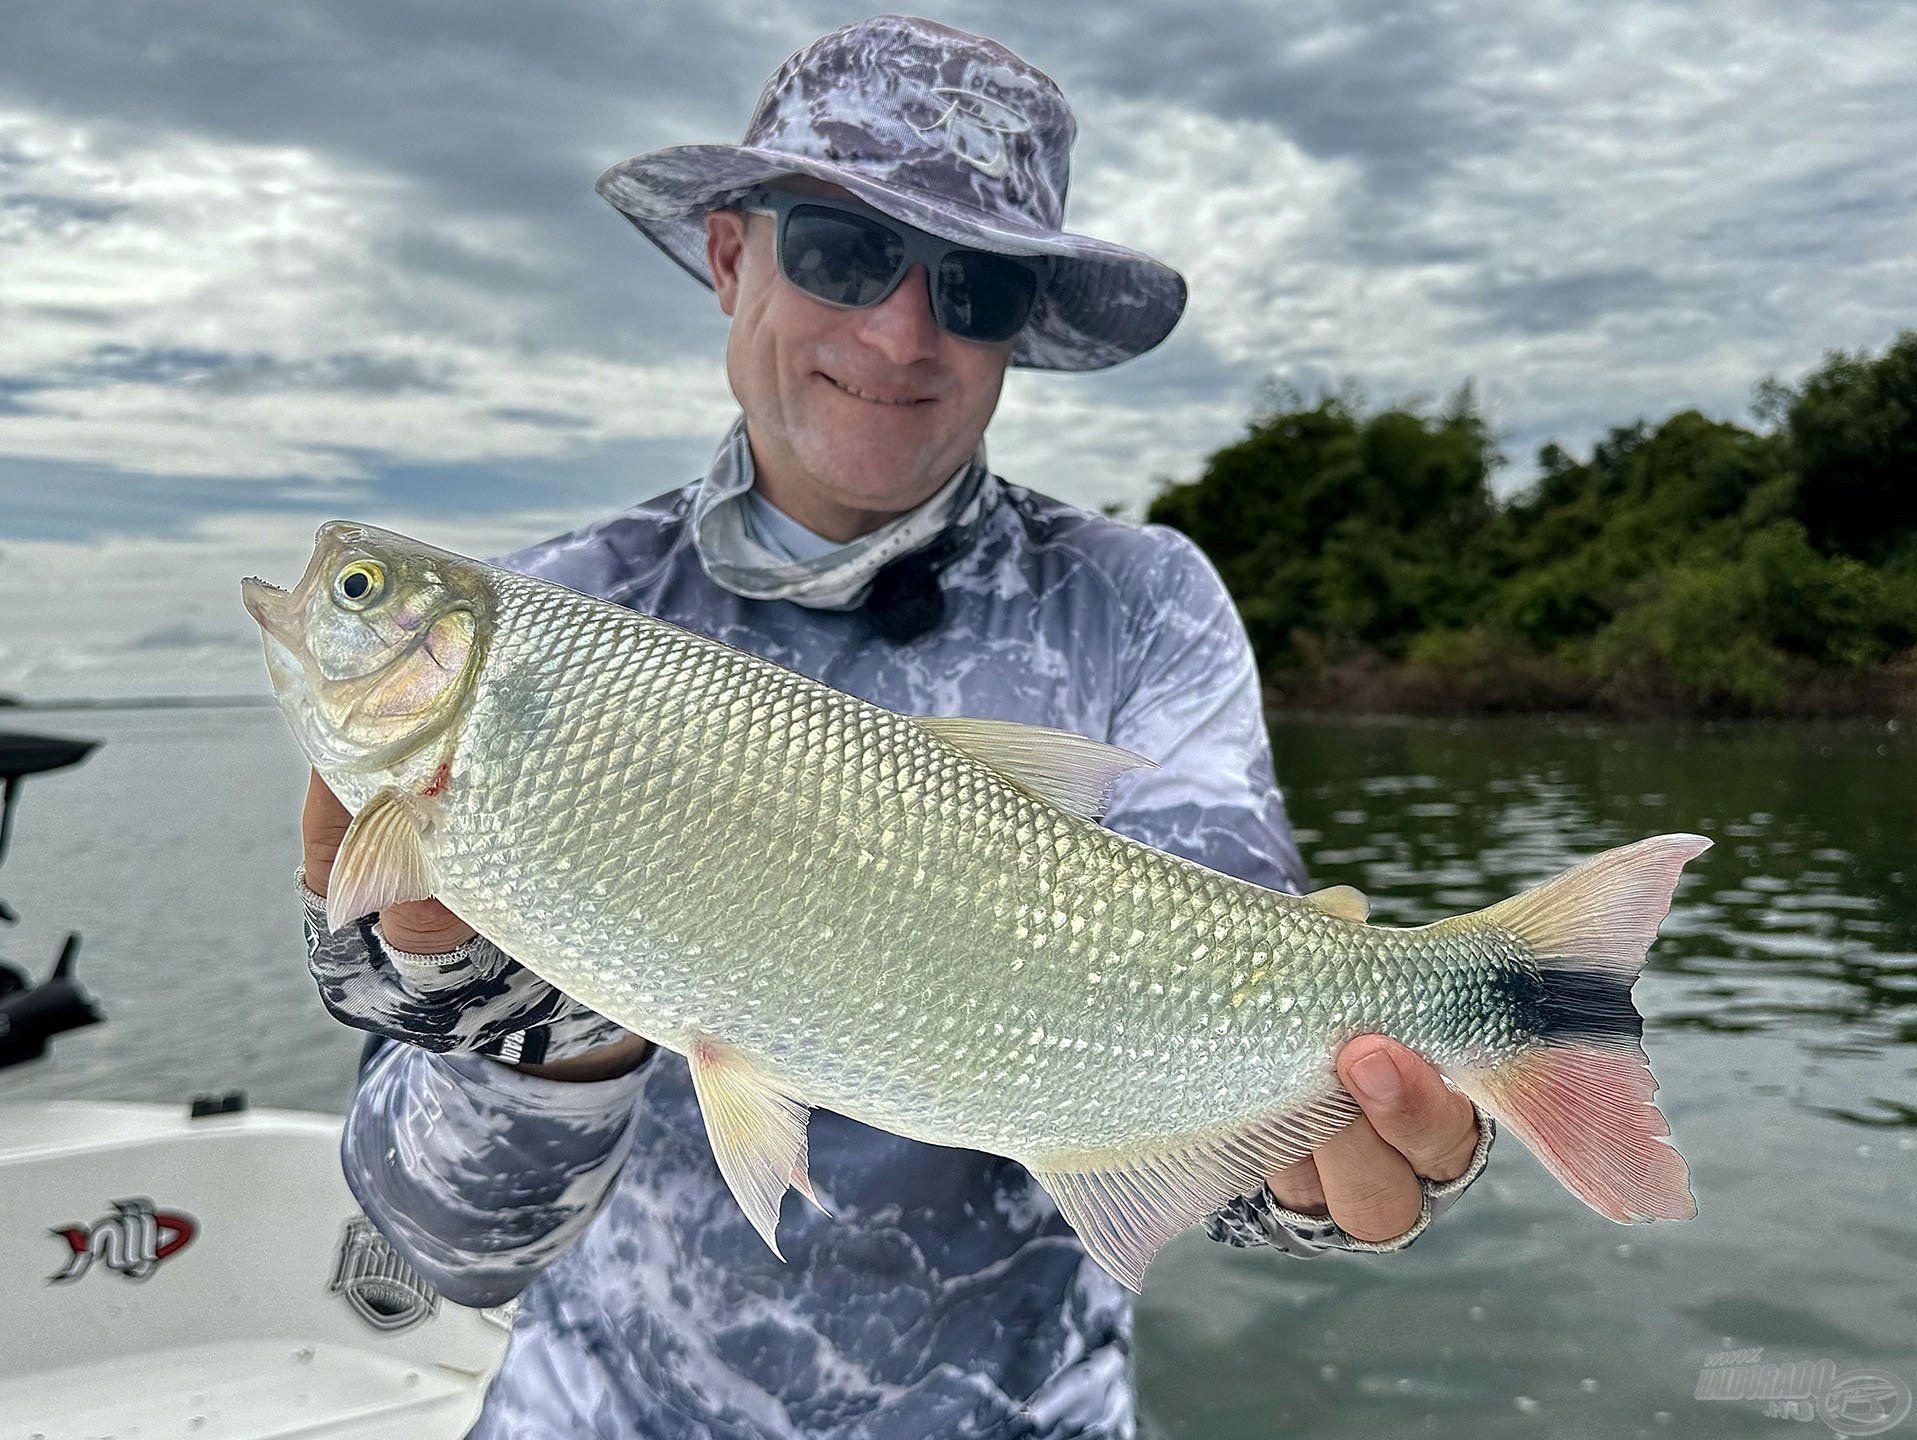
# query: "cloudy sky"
{"points": [[265, 264]]}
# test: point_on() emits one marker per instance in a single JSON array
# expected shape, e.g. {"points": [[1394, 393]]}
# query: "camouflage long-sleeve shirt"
{"points": [[945, 1295]]}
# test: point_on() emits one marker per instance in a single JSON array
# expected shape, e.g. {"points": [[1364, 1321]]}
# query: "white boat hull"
{"points": [[162, 1276]]}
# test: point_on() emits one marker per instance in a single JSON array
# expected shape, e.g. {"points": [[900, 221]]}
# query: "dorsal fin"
{"points": [[1347, 902], [1072, 771]]}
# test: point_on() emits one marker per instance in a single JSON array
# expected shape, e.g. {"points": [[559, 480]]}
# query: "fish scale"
{"points": [[918, 922]]}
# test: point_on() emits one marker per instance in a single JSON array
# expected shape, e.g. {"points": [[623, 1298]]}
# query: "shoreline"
{"points": [[12, 706], [1538, 689]]}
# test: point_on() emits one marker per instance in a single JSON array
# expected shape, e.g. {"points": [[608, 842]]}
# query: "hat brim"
{"points": [[1105, 304]]}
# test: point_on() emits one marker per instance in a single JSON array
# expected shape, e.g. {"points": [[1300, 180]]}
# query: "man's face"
{"points": [[870, 411]]}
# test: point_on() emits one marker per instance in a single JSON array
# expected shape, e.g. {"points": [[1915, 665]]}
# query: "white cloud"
{"points": [[1684, 201], [1059, 435], [1596, 221], [145, 615], [184, 306]]}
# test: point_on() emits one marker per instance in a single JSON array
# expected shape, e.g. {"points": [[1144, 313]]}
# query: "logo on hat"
{"points": [[968, 111]]}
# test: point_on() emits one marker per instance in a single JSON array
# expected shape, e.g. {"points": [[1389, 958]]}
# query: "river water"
{"points": [[1782, 1023]]}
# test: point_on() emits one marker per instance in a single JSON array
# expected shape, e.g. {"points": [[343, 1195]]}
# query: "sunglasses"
{"points": [[852, 256]]}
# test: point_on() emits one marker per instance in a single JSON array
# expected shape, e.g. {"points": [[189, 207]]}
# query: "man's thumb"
{"points": [[323, 824]]}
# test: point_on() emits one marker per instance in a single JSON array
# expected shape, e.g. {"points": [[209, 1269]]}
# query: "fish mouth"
{"points": [[272, 607], [278, 614]]}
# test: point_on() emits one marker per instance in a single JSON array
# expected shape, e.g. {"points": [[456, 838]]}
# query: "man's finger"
{"points": [[1298, 1187], [1409, 1106], [424, 927], [323, 822], [1369, 1186]]}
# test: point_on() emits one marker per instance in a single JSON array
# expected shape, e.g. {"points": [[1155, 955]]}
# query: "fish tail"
{"points": [[1580, 1095]]}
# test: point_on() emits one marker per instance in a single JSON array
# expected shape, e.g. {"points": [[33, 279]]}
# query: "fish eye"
{"points": [[359, 584]]}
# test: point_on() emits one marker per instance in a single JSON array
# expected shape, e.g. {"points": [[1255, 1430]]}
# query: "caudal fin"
{"points": [[1580, 1098]]}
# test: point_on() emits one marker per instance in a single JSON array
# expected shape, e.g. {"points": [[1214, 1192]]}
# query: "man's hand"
{"points": [[414, 988], [1367, 1174], [420, 927]]}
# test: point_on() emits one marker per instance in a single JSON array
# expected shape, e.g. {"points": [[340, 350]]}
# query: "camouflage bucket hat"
{"points": [[945, 131]]}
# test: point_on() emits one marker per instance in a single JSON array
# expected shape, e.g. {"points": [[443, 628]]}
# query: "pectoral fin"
{"points": [[1344, 901], [757, 1134], [1072, 771], [383, 859], [1124, 1206]]}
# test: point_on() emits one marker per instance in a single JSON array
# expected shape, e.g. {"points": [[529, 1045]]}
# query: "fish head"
{"points": [[375, 652]]}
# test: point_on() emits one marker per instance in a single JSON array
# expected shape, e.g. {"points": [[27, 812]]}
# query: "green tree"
{"points": [[1346, 528], [1693, 562], [1853, 430]]}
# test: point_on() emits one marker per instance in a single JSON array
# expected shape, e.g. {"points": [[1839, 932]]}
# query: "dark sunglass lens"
{"points": [[985, 297], [842, 259]]}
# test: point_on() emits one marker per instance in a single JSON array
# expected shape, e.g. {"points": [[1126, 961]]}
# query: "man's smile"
{"points": [[872, 397]]}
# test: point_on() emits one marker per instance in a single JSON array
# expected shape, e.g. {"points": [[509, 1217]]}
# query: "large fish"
{"points": [[917, 921]]}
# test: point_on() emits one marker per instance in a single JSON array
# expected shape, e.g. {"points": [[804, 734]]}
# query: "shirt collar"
{"points": [[735, 553], [780, 533]]}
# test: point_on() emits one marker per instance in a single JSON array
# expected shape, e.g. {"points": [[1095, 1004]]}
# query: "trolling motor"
{"points": [[32, 1014]]}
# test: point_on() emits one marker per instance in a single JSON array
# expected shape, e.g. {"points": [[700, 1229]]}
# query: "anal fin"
{"points": [[382, 858], [757, 1134], [1126, 1204]]}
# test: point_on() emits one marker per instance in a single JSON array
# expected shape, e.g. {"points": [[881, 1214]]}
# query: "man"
{"points": [[885, 242]]}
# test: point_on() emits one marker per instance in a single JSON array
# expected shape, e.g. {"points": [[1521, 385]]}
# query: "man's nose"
{"points": [[901, 326]]}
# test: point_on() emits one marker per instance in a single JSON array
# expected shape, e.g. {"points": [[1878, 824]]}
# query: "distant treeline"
{"points": [[1694, 567]]}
